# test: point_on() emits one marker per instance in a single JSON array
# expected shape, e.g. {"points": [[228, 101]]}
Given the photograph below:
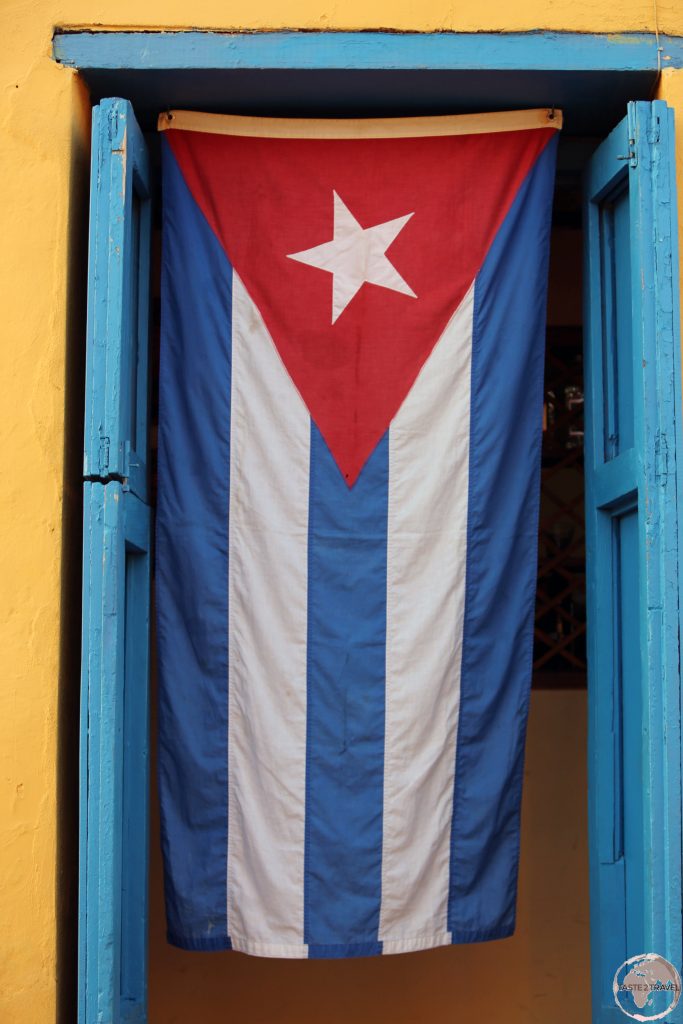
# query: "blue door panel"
{"points": [[617, 348], [114, 756], [135, 766], [632, 371], [114, 733], [627, 681], [118, 299]]}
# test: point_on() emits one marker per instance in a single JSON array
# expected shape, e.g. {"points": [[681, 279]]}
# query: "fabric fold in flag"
{"points": [[353, 319]]}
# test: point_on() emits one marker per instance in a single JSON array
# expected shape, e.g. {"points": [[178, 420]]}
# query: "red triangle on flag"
{"points": [[356, 252]]}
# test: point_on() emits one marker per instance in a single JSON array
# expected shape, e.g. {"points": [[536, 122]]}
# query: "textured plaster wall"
{"points": [[411, 15], [44, 114]]}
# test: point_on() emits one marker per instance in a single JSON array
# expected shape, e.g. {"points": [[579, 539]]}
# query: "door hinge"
{"points": [[651, 135], [113, 123], [661, 459], [103, 456], [632, 156]]}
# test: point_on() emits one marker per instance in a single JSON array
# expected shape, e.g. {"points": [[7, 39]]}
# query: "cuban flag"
{"points": [[352, 348]]}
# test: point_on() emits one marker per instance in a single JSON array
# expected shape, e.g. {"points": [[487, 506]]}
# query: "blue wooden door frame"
{"points": [[417, 51], [376, 73], [126, 52]]}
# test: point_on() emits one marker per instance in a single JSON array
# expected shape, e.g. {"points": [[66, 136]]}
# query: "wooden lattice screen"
{"points": [[560, 621]]}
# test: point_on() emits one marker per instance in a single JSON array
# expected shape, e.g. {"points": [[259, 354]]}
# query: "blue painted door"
{"points": [[633, 390], [114, 802]]}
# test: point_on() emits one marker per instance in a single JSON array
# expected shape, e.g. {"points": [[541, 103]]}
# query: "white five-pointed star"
{"points": [[356, 255]]}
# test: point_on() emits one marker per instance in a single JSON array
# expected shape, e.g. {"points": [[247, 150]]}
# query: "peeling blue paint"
{"points": [[538, 51]]}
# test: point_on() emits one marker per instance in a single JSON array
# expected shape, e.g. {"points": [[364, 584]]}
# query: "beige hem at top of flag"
{"points": [[360, 128]]}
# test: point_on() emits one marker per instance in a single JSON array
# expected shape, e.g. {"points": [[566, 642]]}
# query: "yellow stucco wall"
{"points": [[44, 115]]}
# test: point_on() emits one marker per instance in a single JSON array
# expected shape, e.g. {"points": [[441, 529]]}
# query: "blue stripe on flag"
{"points": [[505, 435], [346, 666], [192, 567]]}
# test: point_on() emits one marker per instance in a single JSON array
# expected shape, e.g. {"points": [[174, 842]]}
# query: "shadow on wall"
{"points": [[71, 558], [541, 974]]}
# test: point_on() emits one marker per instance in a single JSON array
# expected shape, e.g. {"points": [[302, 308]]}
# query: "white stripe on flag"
{"points": [[268, 570], [426, 550]]}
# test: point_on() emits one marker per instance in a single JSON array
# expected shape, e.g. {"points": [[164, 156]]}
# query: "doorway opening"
{"points": [[536, 970]]}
